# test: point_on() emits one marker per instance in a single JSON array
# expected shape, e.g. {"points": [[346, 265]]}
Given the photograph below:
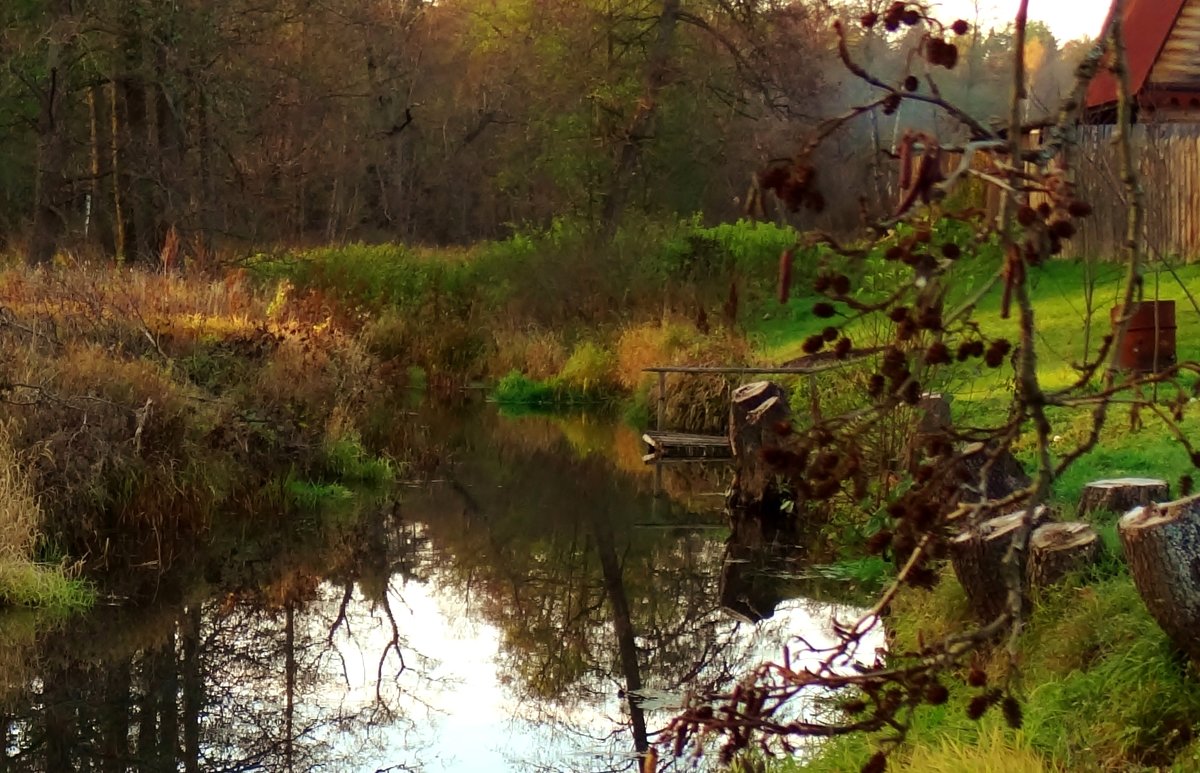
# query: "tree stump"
{"points": [[1121, 495], [1056, 549], [756, 414], [978, 558], [1162, 546], [932, 419], [1004, 476]]}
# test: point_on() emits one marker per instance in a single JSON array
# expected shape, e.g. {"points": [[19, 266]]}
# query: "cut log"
{"points": [[1122, 495], [1162, 546], [1005, 474], [935, 413], [1057, 549], [932, 420], [978, 558], [757, 412]]}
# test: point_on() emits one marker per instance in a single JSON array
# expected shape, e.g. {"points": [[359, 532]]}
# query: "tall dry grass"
{"points": [[19, 511]]}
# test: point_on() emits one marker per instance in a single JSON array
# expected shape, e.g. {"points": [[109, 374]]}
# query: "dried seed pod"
{"points": [[977, 677], [898, 314], [960, 27], [868, 19], [843, 347], [951, 251], [978, 707], [1079, 209], [1012, 712], [813, 344], [1027, 216], [877, 763], [1063, 229], [994, 357], [824, 310], [821, 283], [841, 284], [937, 354], [830, 333], [911, 83], [879, 542]]}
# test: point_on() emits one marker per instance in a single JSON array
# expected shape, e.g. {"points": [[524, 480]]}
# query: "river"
{"points": [[534, 604]]}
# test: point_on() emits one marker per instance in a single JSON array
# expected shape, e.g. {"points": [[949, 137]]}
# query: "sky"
{"points": [[1067, 19]]}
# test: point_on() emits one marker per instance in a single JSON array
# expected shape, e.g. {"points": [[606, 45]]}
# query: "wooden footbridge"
{"points": [[665, 446]]}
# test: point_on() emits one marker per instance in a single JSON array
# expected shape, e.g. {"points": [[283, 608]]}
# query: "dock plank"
{"points": [[680, 445]]}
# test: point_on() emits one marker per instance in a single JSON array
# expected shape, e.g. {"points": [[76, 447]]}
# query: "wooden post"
{"points": [[1162, 542], [978, 558], [1121, 495], [1056, 549], [660, 416]]}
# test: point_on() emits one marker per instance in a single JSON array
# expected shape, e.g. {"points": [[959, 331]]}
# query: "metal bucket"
{"points": [[1148, 345]]}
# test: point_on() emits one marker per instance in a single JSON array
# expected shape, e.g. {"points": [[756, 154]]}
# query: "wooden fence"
{"points": [[1168, 164]]}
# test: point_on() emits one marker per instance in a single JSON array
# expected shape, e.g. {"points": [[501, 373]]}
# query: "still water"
{"points": [[497, 617]]}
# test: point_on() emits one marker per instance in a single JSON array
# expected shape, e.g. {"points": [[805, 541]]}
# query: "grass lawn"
{"points": [[1100, 685], [980, 394]]}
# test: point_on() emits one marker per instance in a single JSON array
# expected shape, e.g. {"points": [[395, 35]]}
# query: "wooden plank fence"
{"points": [[1168, 165]]}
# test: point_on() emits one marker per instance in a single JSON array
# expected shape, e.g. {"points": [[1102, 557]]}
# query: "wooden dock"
{"points": [[682, 447]]}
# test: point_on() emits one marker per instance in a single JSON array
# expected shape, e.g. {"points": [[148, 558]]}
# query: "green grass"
{"points": [[1100, 685], [45, 587], [981, 394], [311, 496], [347, 460]]}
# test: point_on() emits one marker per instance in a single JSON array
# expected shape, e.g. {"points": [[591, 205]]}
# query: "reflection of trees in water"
{"points": [[545, 546], [245, 681], [600, 625]]}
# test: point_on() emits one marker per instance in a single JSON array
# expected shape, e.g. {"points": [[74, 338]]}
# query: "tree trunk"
{"points": [[52, 151], [193, 689], [623, 631], [100, 217], [131, 132], [932, 420], [978, 558], [755, 412], [1057, 549], [170, 148], [658, 62], [1162, 546], [1121, 495], [991, 472]]}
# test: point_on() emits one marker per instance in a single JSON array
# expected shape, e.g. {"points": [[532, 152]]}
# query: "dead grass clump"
{"points": [[18, 507], [645, 346], [700, 403], [539, 354]]}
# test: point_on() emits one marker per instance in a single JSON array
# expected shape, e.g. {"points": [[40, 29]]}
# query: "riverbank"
{"points": [[137, 406]]}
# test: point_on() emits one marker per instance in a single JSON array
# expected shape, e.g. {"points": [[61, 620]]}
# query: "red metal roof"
{"points": [[1148, 25]]}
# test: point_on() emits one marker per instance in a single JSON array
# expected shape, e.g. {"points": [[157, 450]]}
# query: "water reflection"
{"points": [[536, 609]]}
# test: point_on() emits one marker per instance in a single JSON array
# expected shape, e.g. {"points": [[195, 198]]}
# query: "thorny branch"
{"points": [[941, 494]]}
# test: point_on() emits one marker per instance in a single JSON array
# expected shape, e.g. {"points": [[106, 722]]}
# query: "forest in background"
{"points": [[152, 130]]}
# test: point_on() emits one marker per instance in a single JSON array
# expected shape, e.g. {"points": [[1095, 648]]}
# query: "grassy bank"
{"points": [[554, 317], [138, 407], [1101, 686], [1101, 689]]}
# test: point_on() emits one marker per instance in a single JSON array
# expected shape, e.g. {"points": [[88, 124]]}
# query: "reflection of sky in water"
{"points": [[458, 713]]}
